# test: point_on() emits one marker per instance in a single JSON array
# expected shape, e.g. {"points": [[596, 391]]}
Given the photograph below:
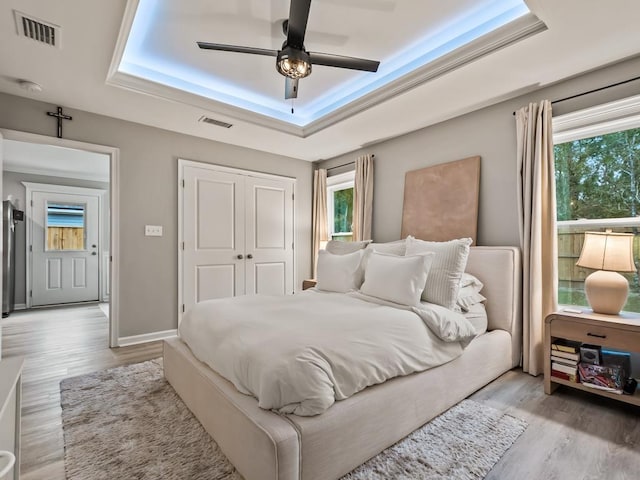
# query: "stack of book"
{"points": [[565, 355]]}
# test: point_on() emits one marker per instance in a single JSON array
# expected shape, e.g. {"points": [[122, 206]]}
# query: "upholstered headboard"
{"points": [[499, 268]]}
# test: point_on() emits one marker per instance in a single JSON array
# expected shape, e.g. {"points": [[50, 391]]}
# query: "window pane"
{"points": [[342, 210], [597, 187], [65, 226]]}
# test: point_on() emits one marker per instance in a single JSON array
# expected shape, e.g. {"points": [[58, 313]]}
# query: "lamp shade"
{"points": [[607, 251]]}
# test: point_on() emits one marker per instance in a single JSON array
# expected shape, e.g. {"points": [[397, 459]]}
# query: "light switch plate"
{"points": [[153, 230]]}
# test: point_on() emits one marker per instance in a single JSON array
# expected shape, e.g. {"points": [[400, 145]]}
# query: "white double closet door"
{"points": [[237, 233]]}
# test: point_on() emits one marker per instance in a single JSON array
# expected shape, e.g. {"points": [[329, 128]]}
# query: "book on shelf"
{"points": [[608, 378], [568, 355], [591, 354], [614, 358], [569, 346], [601, 387], [563, 361], [568, 369], [565, 376]]}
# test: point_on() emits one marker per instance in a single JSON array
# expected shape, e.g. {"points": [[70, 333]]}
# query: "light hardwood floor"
{"points": [[571, 434], [58, 343]]}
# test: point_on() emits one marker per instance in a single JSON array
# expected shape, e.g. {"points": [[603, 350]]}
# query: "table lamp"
{"points": [[608, 253]]}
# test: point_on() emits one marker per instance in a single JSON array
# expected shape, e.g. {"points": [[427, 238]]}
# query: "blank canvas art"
{"points": [[441, 202]]}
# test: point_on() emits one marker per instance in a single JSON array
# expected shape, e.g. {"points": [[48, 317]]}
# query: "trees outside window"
{"points": [[597, 187], [340, 206], [343, 210]]}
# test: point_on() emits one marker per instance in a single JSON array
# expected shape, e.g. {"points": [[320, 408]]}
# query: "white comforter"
{"points": [[299, 354]]}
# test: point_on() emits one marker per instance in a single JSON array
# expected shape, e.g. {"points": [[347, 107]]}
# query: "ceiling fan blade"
{"points": [[236, 48], [298, 16], [290, 88], [311, 36], [341, 61]]}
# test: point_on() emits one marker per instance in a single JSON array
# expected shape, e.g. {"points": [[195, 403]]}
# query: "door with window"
{"points": [[64, 248]]}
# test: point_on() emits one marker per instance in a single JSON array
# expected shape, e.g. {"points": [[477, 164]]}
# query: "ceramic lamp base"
{"points": [[606, 291]]}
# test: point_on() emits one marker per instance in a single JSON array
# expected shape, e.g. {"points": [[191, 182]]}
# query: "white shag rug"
{"points": [[128, 422]]}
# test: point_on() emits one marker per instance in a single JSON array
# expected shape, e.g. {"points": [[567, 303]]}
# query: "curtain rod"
{"points": [[345, 164], [594, 90]]}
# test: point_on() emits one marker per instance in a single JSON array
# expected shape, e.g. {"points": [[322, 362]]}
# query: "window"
{"points": [[65, 226], [597, 188], [340, 206]]}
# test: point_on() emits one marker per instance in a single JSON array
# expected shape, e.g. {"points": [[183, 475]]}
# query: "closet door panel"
{"points": [[269, 236], [213, 229], [270, 278]]}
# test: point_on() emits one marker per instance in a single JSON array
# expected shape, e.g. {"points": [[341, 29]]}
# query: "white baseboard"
{"points": [[20, 306], [146, 337]]}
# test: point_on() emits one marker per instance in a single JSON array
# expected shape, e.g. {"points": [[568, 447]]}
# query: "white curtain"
{"points": [[363, 198], [319, 213], [537, 216]]}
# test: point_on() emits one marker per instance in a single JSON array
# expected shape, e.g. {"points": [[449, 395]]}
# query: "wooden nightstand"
{"points": [[308, 284], [612, 331]]}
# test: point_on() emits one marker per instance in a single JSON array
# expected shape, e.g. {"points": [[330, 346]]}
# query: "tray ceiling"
{"points": [[81, 71], [157, 52]]}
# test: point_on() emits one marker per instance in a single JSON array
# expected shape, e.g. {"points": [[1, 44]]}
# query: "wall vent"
{"points": [[213, 121], [38, 30]]}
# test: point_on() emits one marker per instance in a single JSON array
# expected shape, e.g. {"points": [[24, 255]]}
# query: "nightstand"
{"points": [[308, 284], [620, 332]]}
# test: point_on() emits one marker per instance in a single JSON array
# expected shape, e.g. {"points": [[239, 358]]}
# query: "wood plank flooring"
{"points": [[571, 434], [58, 343]]}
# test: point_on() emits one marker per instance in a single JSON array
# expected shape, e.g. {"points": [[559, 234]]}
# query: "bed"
{"points": [[266, 445]]}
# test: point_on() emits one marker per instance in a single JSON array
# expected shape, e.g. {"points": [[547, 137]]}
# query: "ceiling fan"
{"points": [[293, 61]]}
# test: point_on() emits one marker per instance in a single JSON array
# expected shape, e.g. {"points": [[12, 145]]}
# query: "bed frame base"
{"points": [[263, 445]]}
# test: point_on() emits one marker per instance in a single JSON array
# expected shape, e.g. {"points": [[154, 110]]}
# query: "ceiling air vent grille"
{"points": [[37, 30], [213, 121]]}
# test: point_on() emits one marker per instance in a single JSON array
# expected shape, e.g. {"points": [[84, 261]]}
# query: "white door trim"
{"points": [[182, 163], [114, 199], [30, 188]]}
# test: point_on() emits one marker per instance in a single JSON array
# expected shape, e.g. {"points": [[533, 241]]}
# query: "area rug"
{"points": [[128, 422]]}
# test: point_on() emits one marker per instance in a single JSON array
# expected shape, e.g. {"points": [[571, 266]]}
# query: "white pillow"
{"points": [[468, 297], [469, 293], [397, 247], [443, 283], [339, 273], [398, 279], [468, 279], [342, 248]]}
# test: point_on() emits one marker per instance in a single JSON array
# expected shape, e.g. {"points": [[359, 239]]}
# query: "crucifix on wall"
{"points": [[60, 116]]}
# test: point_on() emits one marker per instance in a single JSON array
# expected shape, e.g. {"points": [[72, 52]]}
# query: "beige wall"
{"points": [[148, 195], [490, 133]]}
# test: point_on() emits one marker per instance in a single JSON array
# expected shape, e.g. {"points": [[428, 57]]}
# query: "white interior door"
{"points": [[236, 230], [65, 244], [213, 235], [269, 236]]}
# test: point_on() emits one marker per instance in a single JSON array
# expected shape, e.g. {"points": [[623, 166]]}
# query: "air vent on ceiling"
{"points": [[215, 122], [38, 30]]}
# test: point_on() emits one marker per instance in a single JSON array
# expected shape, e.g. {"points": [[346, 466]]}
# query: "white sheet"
{"points": [[300, 353]]}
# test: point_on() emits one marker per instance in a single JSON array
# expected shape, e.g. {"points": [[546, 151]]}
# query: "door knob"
{"points": [[93, 253], [240, 256], [249, 256], [93, 246]]}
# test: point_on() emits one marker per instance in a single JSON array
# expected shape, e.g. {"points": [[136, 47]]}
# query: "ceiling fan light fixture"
{"points": [[293, 63]]}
